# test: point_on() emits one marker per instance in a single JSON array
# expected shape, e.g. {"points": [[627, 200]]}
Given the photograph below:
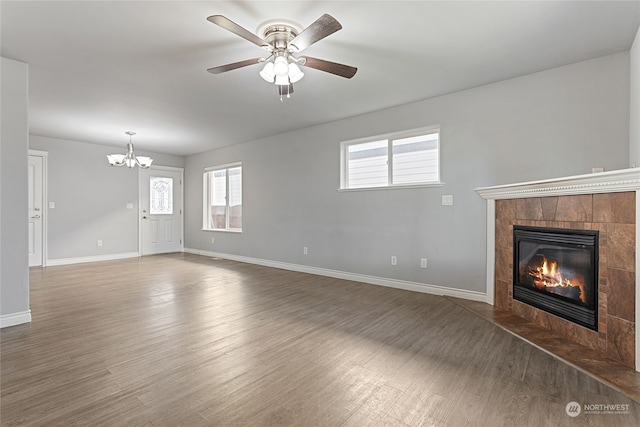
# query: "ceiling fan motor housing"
{"points": [[278, 33]]}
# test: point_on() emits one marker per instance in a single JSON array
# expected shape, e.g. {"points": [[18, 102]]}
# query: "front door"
{"points": [[160, 208], [35, 210]]}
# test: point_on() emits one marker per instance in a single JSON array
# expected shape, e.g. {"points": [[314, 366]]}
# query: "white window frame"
{"points": [[390, 137], [206, 192]]}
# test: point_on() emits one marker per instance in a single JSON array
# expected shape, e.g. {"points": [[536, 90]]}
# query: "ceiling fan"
{"points": [[284, 40]]}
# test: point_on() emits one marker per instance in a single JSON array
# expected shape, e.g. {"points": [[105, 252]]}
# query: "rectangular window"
{"points": [[410, 158], [223, 198], [161, 191], [368, 164]]}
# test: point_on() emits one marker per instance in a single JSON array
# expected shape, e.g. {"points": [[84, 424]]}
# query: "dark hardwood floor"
{"points": [[593, 362], [187, 340]]}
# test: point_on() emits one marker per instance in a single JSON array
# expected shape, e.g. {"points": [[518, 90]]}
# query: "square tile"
{"points": [[615, 207], [621, 296]]}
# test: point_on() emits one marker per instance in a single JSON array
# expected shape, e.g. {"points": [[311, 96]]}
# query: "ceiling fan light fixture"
{"points": [[284, 40], [267, 72], [295, 74], [282, 80], [280, 66]]}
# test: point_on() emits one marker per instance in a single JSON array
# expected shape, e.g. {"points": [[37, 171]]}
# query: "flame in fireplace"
{"points": [[547, 276]]}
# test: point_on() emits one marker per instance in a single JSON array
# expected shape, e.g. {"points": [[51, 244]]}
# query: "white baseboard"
{"points": [[373, 280], [80, 260], [13, 319]]}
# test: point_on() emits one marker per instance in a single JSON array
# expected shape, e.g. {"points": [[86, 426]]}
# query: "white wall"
{"points": [[634, 106], [91, 199], [554, 123], [14, 261]]}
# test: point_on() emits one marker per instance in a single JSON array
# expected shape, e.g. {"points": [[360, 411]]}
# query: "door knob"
{"points": [[144, 217], [35, 217]]}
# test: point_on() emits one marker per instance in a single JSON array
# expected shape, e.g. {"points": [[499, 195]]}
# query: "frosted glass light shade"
{"points": [[282, 80], [295, 74], [280, 66], [144, 161], [115, 159], [267, 72]]}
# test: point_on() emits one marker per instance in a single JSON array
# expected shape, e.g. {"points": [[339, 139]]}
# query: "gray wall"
{"points": [[634, 106], [14, 261], [91, 198], [554, 123]]}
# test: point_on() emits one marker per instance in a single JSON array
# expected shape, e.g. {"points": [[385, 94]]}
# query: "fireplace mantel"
{"points": [[617, 181], [593, 183]]}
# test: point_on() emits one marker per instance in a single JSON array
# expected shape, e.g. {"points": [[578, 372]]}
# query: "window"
{"points": [[410, 158], [223, 198], [161, 191]]}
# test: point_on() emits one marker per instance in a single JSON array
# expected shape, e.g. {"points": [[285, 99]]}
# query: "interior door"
{"points": [[160, 208], [35, 210]]}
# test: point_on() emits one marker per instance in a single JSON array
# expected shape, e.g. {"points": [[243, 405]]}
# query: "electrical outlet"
{"points": [[394, 260], [213, 240], [305, 250], [423, 263], [99, 242]]}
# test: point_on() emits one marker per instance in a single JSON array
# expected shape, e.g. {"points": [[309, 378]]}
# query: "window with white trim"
{"points": [[222, 198], [411, 158]]}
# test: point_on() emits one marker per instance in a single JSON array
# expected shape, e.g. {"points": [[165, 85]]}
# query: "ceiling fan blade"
{"points": [[341, 70], [321, 28], [233, 66], [236, 29]]}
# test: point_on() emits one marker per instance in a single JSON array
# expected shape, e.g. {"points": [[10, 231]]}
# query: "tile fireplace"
{"points": [[604, 206]]}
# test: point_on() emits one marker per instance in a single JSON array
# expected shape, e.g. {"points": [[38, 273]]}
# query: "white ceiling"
{"points": [[98, 69]]}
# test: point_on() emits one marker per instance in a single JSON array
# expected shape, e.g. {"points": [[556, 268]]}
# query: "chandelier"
{"points": [[129, 159]]}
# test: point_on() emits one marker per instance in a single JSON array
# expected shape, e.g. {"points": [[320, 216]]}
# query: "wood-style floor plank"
{"points": [[188, 340]]}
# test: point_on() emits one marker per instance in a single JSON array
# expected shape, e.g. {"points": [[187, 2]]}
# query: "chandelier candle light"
{"points": [[129, 159]]}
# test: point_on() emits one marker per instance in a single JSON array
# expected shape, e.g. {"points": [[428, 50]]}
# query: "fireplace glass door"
{"points": [[556, 270]]}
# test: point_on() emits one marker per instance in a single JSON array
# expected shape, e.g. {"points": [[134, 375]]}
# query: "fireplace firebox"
{"points": [[556, 270]]}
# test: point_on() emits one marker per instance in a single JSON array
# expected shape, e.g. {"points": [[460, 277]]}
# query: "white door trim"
{"points": [[45, 201], [161, 168]]}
